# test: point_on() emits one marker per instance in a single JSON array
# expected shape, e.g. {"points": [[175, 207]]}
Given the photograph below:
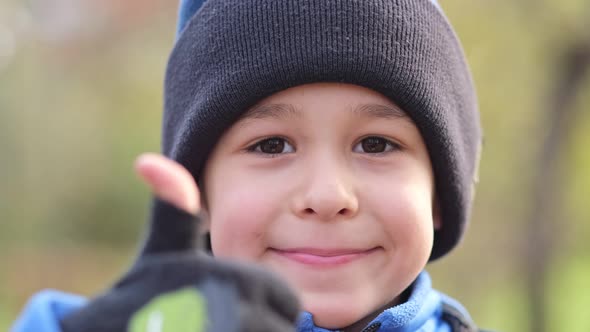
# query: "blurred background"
{"points": [[81, 97]]}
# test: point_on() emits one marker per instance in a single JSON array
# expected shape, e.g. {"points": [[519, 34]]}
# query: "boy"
{"points": [[335, 143]]}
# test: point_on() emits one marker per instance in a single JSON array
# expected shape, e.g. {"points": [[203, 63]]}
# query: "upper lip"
{"points": [[325, 252]]}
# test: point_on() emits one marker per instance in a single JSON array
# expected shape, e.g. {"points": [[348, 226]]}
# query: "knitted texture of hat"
{"points": [[233, 53]]}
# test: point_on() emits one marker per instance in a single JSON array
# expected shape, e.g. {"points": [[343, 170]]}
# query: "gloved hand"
{"points": [[174, 287]]}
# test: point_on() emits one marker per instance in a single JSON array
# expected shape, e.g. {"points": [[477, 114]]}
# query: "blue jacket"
{"points": [[422, 312]]}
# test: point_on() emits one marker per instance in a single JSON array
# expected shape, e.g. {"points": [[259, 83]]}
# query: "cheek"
{"points": [[240, 221], [404, 210]]}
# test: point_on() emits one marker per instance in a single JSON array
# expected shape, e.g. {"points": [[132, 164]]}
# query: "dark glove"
{"points": [[175, 287]]}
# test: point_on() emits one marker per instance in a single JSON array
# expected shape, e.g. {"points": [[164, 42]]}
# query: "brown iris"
{"points": [[374, 144]]}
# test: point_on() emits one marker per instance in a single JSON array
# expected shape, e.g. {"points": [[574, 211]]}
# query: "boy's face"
{"points": [[330, 186]]}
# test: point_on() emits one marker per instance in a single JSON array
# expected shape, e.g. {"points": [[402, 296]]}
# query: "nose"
{"points": [[327, 195]]}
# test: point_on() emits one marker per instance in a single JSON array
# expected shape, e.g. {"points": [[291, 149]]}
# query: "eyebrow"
{"points": [[280, 111], [380, 111], [288, 111]]}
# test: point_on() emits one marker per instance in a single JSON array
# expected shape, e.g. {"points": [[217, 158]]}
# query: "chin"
{"points": [[335, 312]]}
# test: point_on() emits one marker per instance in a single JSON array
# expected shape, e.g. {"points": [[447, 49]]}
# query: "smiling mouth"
{"points": [[323, 257]]}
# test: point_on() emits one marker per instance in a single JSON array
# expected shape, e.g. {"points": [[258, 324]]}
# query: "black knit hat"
{"points": [[233, 53]]}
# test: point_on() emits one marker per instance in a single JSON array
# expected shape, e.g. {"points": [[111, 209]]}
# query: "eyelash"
{"points": [[257, 147], [391, 146]]}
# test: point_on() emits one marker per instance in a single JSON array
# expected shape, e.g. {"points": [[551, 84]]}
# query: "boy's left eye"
{"points": [[375, 144]]}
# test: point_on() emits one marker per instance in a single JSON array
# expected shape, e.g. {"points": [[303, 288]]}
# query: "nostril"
{"points": [[309, 211], [344, 212]]}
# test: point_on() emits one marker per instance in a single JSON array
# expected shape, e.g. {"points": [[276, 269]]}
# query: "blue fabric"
{"points": [[422, 312], [186, 10], [44, 310]]}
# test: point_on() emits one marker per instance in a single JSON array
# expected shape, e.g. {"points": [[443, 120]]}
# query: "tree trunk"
{"points": [[547, 186]]}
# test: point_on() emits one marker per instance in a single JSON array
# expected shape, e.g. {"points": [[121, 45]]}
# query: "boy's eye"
{"points": [[374, 144], [273, 145]]}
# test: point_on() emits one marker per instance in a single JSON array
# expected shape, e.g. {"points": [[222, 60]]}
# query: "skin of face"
{"points": [[330, 186]]}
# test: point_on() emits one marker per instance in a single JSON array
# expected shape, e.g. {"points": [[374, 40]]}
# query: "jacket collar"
{"points": [[422, 311]]}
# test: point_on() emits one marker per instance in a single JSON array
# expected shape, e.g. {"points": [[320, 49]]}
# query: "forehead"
{"points": [[355, 100], [282, 110]]}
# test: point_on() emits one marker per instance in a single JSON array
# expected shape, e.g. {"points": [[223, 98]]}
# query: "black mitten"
{"points": [[174, 287]]}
